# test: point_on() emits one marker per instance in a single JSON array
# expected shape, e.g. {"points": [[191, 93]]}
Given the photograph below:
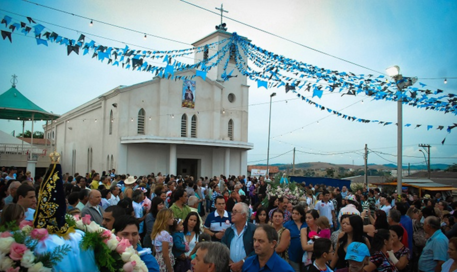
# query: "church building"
{"points": [[186, 127]]}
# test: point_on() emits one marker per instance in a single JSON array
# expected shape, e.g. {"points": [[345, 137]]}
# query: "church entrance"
{"points": [[188, 167]]}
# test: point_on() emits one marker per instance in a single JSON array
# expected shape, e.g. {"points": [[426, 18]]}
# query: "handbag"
{"points": [[418, 235]]}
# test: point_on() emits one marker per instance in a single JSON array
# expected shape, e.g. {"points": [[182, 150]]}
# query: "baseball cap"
{"points": [[357, 251]]}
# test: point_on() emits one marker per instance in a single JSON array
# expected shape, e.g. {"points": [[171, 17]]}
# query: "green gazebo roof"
{"points": [[15, 106]]}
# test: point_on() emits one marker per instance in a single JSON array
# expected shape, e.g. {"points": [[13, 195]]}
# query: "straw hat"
{"points": [[130, 180]]}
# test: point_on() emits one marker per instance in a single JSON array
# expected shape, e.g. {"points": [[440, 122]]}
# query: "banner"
{"points": [[188, 94], [258, 172]]}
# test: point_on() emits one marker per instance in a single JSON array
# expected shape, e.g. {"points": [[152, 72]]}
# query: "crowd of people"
{"points": [[220, 223]]}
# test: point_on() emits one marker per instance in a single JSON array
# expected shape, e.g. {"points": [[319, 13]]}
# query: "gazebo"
{"points": [[15, 106]]}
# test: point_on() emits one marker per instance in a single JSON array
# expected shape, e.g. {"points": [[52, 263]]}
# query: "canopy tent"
{"points": [[15, 106]]}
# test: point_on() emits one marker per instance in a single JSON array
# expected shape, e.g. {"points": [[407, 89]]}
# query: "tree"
{"points": [[452, 168], [28, 134], [330, 172]]}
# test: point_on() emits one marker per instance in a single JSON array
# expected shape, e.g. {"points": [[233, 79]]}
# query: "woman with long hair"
{"points": [[306, 241], [261, 216], [352, 231], [379, 260], [295, 226], [192, 231], [399, 251], [381, 220], [157, 205], [277, 219], [12, 213], [163, 241]]}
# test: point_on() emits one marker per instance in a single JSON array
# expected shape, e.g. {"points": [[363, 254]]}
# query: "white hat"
{"points": [[130, 180]]}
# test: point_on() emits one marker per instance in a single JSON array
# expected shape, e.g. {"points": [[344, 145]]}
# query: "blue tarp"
{"points": [[327, 181]]}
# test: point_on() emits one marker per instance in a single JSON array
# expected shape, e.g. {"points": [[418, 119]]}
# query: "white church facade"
{"points": [[147, 127]]}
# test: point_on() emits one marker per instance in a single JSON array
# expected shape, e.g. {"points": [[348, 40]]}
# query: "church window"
{"points": [[111, 122], [205, 53], [112, 162], [107, 161], [230, 130], [184, 125], [231, 97], [193, 129], [141, 115], [233, 52]]}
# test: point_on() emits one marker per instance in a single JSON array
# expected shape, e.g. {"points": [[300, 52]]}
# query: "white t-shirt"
{"points": [[386, 209], [325, 209]]}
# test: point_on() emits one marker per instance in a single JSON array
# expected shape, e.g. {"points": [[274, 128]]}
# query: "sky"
{"points": [[420, 37]]}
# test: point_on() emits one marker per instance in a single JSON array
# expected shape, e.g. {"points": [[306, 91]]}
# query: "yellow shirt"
{"points": [[94, 184]]}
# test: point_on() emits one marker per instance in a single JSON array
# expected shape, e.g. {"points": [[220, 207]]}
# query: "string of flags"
{"points": [[269, 70]]}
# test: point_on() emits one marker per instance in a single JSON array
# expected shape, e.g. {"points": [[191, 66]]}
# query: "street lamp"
{"points": [[402, 83], [269, 127]]}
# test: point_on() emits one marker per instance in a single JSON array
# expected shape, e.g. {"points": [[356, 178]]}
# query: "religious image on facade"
{"points": [[188, 94]]}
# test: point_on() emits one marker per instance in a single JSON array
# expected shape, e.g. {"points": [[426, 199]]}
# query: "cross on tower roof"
{"points": [[14, 80], [222, 25]]}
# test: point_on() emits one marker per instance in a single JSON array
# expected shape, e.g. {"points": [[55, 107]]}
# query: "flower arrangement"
{"points": [[111, 252], [292, 191], [17, 247]]}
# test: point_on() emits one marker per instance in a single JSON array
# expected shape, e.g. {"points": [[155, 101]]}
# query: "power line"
{"points": [[272, 157], [283, 38], [109, 24]]}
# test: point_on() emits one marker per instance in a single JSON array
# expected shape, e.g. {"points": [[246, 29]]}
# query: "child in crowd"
{"points": [[357, 256], [324, 225], [323, 252], [180, 246], [204, 237]]}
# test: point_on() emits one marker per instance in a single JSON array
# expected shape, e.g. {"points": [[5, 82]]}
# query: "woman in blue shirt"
{"points": [[294, 226]]}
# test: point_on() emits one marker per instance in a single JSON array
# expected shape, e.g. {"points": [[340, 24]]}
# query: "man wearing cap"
{"points": [[357, 255]]}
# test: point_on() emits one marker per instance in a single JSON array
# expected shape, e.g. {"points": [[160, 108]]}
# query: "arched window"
{"points": [[193, 128], [73, 162], [111, 122], [233, 52], [141, 115], [230, 130], [184, 125], [89, 159]]}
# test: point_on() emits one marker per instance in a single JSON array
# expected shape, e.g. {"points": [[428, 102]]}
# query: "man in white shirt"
{"points": [[385, 201], [114, 195], [26, 197], [325, 208]]}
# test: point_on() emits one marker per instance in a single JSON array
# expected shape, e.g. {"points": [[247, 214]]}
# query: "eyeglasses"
{"points": [[235, 212]]}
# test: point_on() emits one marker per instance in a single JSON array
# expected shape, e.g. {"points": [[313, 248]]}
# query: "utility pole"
{"points": [[366, 166], [428, 153], [293, 165]]}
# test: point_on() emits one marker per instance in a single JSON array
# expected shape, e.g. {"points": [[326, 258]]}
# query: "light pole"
{"points": [[269, 128], [401, 83], [428, 153]]}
